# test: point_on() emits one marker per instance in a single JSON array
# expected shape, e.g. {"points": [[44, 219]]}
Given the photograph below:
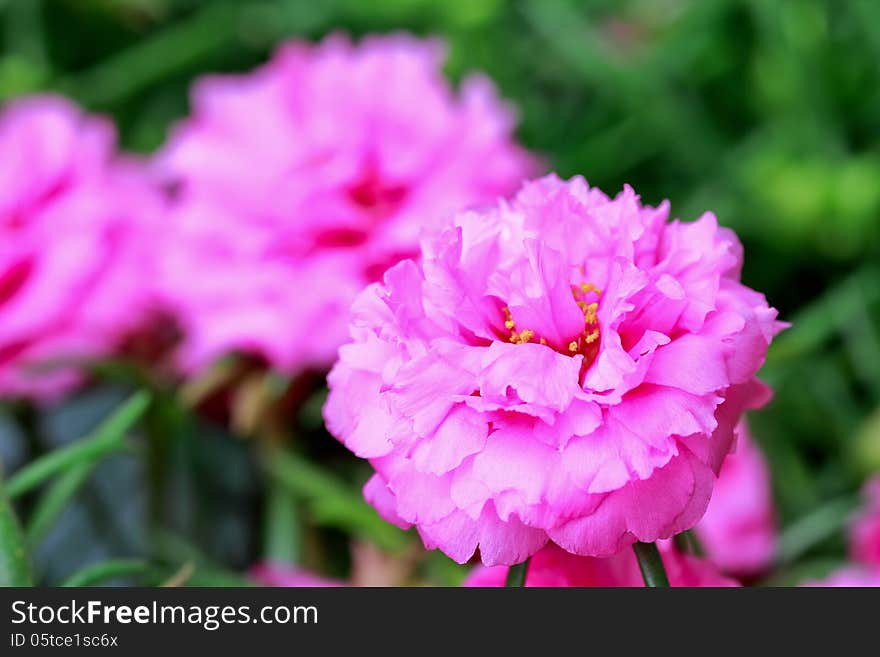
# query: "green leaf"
{"points": [[55, 500], [800, 536], [14, 565], [822, 318], [331, 501], [175, 549], [108, 437], [106, 570], [163, 54], [282, 531]]}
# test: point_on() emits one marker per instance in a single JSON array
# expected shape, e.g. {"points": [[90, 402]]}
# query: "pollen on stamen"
{"points": [[522, 337], [508, 319], [590, 310], [590, 313]]}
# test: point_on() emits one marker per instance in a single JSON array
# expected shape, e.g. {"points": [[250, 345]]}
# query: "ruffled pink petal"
{"points": [[679, 493], [377, 493], [499, 542]]}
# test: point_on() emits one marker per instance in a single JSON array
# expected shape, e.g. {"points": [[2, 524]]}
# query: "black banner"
{"points": [[389, 621]]}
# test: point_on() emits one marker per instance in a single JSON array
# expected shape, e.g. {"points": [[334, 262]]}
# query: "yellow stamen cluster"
{"points": [[508, 320], [590, 316], [591, 319], [522, 337], [517, 337]]}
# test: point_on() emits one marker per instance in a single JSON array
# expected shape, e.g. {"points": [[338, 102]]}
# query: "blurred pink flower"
{"points": [[850, 577], [864, 535], [552, 566], [76, 229], [303, 181], [275, 574], [864, 545], [739, 529], [564, 367]]}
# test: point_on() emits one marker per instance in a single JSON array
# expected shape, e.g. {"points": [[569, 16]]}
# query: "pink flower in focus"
{"points": [[75, 241], [565, 367], [864, 535], [274, 574], [739, 529], [552, 566], [303, 181]]}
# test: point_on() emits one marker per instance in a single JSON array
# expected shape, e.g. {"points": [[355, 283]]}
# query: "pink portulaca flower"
{"points": [[555, 567], [864, 534], [276, 574], [304, 181], [739, 530], [75, 236], [566, 367]]}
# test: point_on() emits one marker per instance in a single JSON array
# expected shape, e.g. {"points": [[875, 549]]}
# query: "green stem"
{"points": [[14, 565], [101, 572], [688, 543], [107, 438], [516, 574], [651, 564]]}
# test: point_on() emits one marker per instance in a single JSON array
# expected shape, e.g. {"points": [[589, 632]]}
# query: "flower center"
{"points": [[586, 296]]}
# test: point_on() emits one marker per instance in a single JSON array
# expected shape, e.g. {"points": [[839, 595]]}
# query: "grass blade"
{"points": [[106, 438]]}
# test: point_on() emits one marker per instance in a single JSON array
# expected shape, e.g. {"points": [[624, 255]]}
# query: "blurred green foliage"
{"points": [[766, 112]]}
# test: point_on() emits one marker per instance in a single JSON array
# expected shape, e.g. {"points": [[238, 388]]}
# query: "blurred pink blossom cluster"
{"points": [[739, 529], [284, 193], [301, 182], [78, 226], [564, 367], [864, 544], [554, 567], [283, 575]]}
